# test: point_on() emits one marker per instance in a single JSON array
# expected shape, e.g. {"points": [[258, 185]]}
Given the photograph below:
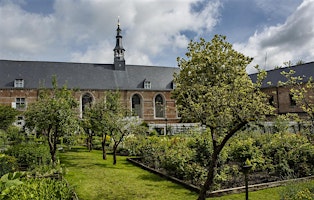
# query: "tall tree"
{"points": [[7, 116], [53, 115], [214, 89]]}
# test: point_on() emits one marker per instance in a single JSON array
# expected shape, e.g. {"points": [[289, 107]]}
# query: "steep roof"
{"points": [[84, 75], [305, 70]]}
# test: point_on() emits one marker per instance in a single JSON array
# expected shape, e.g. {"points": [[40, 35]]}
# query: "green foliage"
{"points": [[302, 92], [15, 136], [7, 164], [241, 150], [39, 189], [53, 115], [7, 116], [291, 155], [29, 155], [8, 182], [118, 121], [275, 156], [301, 191], [214, 89]]}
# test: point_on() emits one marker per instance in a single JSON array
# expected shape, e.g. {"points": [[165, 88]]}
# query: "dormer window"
{"points": [[173, 84], [147, 84], [19, 83]]}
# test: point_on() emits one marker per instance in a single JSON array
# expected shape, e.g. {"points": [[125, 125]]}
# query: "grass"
{"points": [[97, 179]]}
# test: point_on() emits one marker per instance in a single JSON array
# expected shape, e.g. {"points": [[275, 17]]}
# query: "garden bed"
{"points": [[233, 190]]}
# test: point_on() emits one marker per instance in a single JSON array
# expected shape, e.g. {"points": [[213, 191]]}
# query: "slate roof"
{"points": [[84, 75], [274, 76]]}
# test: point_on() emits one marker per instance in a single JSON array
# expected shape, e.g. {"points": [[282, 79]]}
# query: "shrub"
{"points": [[298, 191], [7, 164], [45, 188], [29, 155], [291, 155]]}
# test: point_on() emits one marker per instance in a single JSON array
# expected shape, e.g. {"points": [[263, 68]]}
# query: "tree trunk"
{"points": [[103, 145], [52, 140], [115, 146], [90, 140], [210, 175]]}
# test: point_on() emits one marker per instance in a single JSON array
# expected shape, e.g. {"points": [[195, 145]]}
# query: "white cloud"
{"points": [[24, 33], [84, 31], [292, 40]]}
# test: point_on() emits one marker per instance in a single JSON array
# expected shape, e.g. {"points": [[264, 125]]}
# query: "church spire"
{"points": [[119, 62]]}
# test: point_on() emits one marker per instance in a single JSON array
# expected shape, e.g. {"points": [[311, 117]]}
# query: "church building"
{"points": [[146, 90]]}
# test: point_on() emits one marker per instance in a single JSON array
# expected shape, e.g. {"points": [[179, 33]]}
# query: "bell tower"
{"points": [[119, 62]]}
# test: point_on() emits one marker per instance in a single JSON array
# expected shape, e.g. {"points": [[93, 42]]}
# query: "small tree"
{"points": [[86, 124], [53, 115], [96, 122], [214, 89], [118, 121], [7, 116]]}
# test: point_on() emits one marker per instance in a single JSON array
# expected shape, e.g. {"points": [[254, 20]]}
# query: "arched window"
{"points": [[136, 105], [87, 100], [159, 106]]}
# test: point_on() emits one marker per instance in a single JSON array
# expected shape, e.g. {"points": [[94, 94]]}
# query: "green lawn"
{"points": [[96, 179]]}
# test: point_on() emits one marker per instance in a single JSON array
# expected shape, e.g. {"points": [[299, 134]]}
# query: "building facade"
{"points": [[146, 90], [280, 96]]}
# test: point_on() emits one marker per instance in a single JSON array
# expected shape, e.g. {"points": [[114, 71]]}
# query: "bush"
{"points": [[7, 164], [291, 155], [45, 188], [298, 191], [30, 155]]}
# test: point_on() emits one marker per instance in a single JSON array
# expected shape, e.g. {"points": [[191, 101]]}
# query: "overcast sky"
{"points": [[155, 32]]}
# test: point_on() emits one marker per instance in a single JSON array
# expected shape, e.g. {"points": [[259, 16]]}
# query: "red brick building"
{"points": [[280, 96], [144, 89]]}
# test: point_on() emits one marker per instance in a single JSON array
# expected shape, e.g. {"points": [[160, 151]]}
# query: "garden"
{"points": [[212, 89]]}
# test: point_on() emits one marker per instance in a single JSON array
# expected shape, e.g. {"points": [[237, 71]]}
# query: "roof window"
{"points": [[18, 83], [147, 84]]}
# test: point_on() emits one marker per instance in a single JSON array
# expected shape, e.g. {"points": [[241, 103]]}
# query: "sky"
{"points": [[155, 32]]}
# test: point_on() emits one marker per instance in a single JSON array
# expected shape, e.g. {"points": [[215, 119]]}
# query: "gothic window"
{"points": [[136, 105], [159, 106], [87, 100]]}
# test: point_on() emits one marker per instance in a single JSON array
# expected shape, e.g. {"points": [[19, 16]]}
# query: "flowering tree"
{"points": [[214, 89]]}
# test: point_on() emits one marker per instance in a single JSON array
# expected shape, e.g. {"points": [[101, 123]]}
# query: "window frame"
{"points": [[19, 83], [20, 103], [138, 111], [159, 111], [147, 84]]}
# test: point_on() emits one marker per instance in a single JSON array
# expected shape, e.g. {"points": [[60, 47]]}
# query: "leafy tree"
{"points": [[302, 92], [86, 124], [7, 116], [214, 89], [95, 121], [53, 115], [118, 121]]}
